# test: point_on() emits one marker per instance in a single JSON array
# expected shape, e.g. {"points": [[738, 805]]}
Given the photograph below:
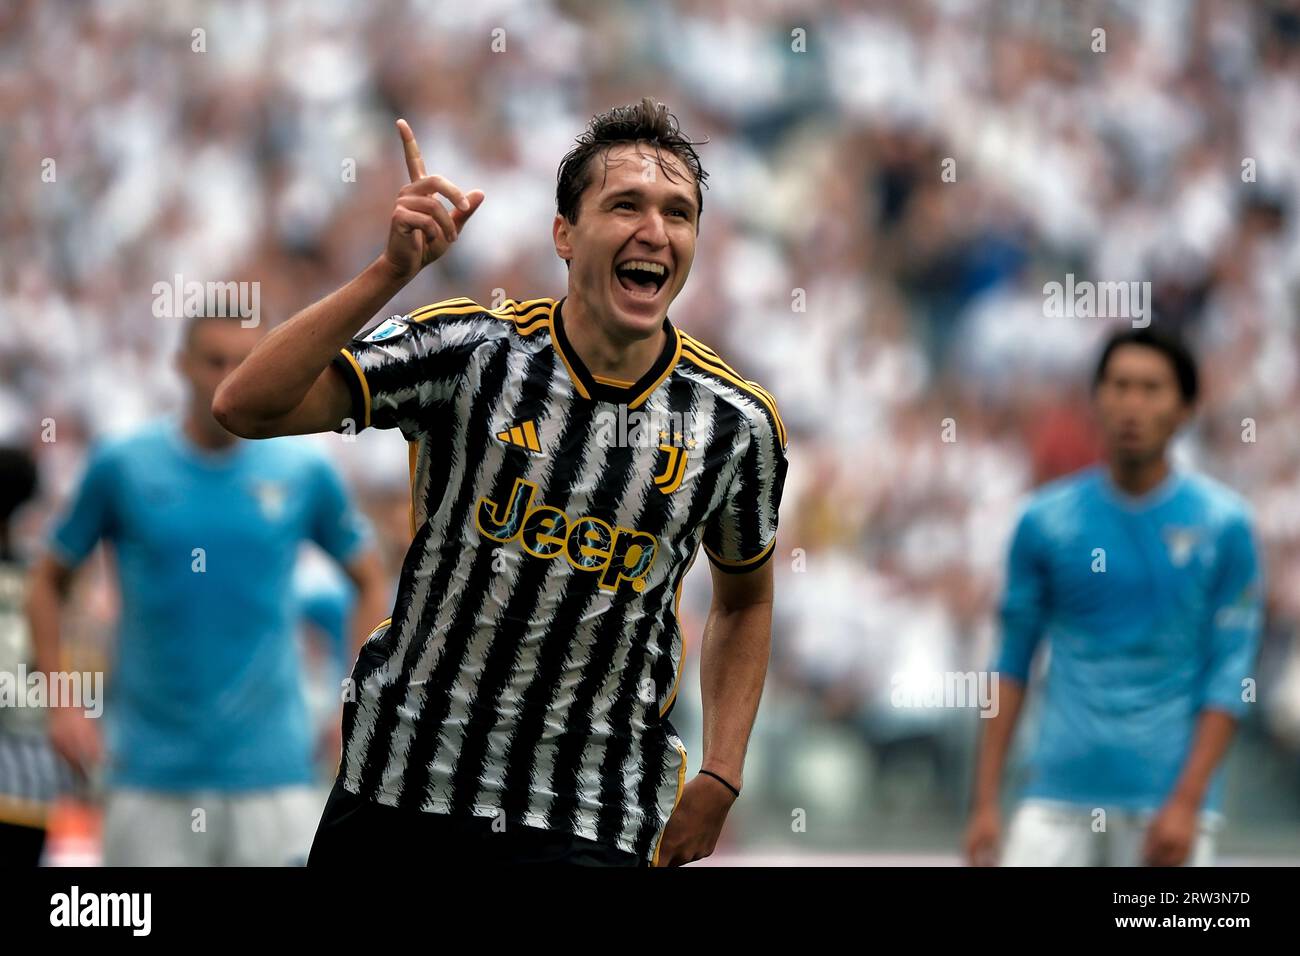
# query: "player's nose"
{"points": [[652, 230]]}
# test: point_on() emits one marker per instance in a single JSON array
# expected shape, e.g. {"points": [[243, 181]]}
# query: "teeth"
{"points": [[654, 267]]}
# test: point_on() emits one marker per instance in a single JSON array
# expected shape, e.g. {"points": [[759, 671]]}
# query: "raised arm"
{"points": [[286, 386]]}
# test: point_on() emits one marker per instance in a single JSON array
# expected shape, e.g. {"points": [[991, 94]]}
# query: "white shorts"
{"points": [[1048, 833], [211, 827]]}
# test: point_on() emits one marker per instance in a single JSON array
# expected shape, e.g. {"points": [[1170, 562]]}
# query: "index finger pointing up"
{"points": [[414, 164]]}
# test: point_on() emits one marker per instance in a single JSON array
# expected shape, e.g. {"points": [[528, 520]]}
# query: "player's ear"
{"points": [[560, 232]]}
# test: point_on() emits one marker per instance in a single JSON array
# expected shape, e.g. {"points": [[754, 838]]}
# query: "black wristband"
{"points": [[721, 781]]}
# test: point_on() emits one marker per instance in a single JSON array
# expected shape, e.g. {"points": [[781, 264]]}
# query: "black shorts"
{"points": [[21, 846], [355, 831]]}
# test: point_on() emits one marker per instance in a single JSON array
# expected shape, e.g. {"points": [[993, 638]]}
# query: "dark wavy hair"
{"points": [[647, 121], [1171, 346]]}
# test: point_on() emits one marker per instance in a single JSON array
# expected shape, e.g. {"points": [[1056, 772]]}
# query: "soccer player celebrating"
{"points": [[1145, 581], [516, 705], [205, 707]]}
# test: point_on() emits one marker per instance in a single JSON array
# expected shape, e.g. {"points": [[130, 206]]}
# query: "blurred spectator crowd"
{"points": [[897, 313]]}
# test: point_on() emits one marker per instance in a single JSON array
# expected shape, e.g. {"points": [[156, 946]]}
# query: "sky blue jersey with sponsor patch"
{"points": [[1151, 608], [206, 687]]}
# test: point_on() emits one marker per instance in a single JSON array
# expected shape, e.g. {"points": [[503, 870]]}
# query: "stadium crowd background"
{"points": [[924, 297]]}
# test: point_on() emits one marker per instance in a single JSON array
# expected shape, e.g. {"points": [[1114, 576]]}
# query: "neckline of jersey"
{"points": [[211, 459], [590, 388], [1157, 496]]}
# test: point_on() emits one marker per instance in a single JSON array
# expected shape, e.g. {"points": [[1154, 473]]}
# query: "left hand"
{"points": [[693, 829], [1171, 834]]}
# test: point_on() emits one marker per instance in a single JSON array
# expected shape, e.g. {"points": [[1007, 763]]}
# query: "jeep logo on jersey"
{"points": [[589, 544]]}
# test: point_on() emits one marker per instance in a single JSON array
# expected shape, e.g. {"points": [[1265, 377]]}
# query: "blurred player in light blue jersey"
{"points": [[208, 743], [1145, 582]]}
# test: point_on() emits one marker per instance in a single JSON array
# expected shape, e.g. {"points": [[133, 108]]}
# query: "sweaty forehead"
{"points": [[627, 166]]}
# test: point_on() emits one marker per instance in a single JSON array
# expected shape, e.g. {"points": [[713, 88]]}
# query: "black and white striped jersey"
{"points": [[31, 776], [534, 652]]}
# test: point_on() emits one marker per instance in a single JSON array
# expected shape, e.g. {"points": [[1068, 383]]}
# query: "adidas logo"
{"points": [[523, 435]]}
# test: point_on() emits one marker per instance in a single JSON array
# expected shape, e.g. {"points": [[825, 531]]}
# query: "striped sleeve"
{"points": [[741, 533], [405, 367]]}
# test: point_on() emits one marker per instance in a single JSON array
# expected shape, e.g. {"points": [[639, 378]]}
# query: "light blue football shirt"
{"points": [[206, 687], [1170, 627]]}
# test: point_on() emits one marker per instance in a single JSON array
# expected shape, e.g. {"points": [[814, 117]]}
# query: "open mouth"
{"points": [[641, 278]]}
